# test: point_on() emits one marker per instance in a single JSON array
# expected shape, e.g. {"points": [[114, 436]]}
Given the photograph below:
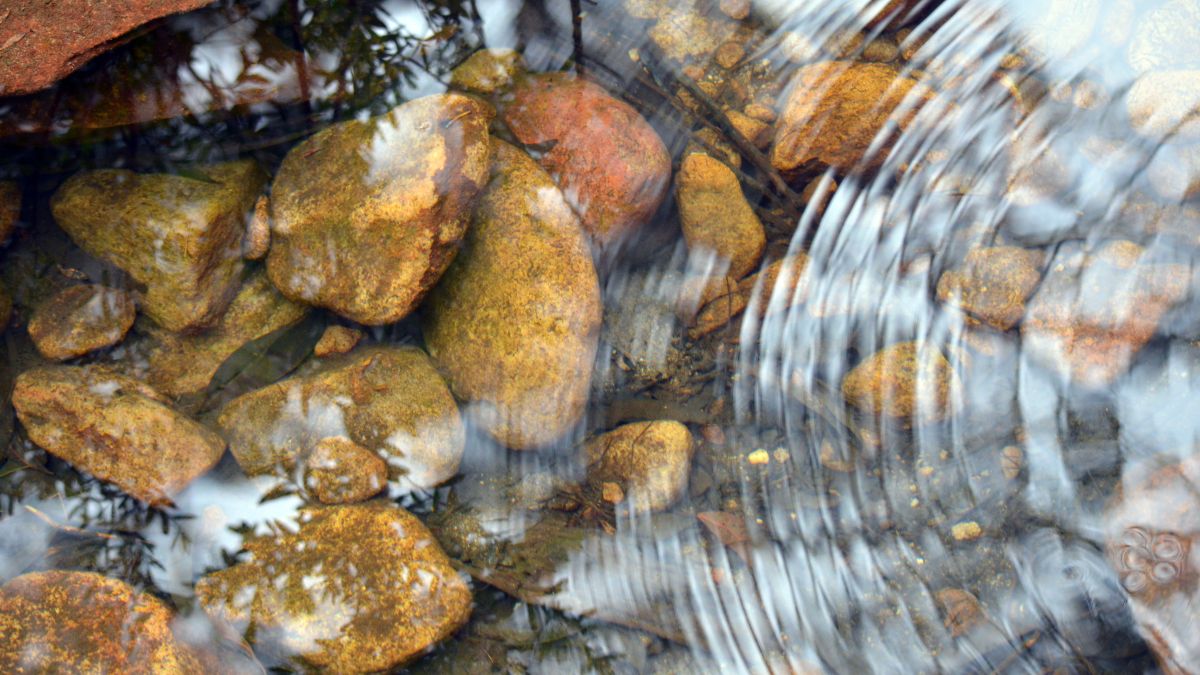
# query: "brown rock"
{"points": [[833, 113], [649, 460], [1093, 313], [258, 234], [714, 144], [115, 428], [1153, 539], [735, 9], [80, 319], [337, 340], [686, 32], [992, 284], [754, 130], [10, 208], [760, 112], [82, 622], [961, 610], [515, 323], [180, 236], [43, 42], [609, 162], [368, 214], [389, 400], [729, 54], [178, 365], [715, 215], [340, 471], [758, 287], [881, 50], [907, 382], [384, 591], [1166, 104], [810, 193], [487, 71]]}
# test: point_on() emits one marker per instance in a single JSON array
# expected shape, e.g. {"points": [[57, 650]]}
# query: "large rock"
{"points": [[43, 42], [833, 112], [649, 460], [515, 322], [178, 364], [82, 622], [356, 589], [609, 162], [715, 215], [908, 382], [180, 236], [1093, 312], [80, 319], [368, 214], [992, 284], [115, 428], [389, 400]]}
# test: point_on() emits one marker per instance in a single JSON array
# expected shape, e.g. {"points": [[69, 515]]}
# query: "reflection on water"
{"points": [[640, 336]]}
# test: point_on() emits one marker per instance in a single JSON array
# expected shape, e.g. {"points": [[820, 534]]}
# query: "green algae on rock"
{"points": [[340, 471], [992, 284], [389, 400], [907, 382], [179, 236], [80, 319], [649, 460], [715, 215], [368, 214], [610, 163], [179, 365], [115, 428], [358, 588], [515, 322], [82, 622]]}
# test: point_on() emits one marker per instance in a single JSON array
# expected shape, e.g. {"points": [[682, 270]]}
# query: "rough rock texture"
{"points": [[833, 112], [258, 232], [715, 215], [80, 319], [906, 382], [368, 214], [43, 42], [611, 165], [337, 340], [178, 365], [359, 588], [1166, 37], [1093, 313], [649, 460], [389, 400], [115, 428], [82, 622], [992, 284], [1166, 104], [340, 471], [1153, 539], [5, 307], [515, 323], [734, 297], [179, 236], [487, 71], [10, 208]]}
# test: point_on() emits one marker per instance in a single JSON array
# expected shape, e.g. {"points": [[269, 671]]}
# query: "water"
{"points": [[1030, 510]]}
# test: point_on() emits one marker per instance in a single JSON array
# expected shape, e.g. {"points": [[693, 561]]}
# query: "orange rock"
{"points": [[80, 319], [337, 340], [609, 162], [715, 215], [723, 308], [340, 471], [907, 381], [992, 284]]}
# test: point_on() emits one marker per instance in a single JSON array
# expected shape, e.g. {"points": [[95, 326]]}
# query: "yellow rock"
{"points": [[649, 460], [715, 215]]}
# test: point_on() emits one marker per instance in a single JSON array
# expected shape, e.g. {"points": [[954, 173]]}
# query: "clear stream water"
{"points": [[980, 543]]}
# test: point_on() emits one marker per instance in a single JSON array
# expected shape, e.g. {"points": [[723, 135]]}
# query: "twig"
{"points": [[577, 35]]}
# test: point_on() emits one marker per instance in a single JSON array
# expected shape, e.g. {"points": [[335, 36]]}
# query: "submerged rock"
{"points": [[80, 319], [82, 622], [760, 287], [908, 382], [368, 214], [389, 400], [833, 113], [650, 461], [715, 215], [359, 588], [992, 284], [337, 340], [179, 236], [1165, 104], [1166, 37], [487, 71], [10, 208], [611, 165], [1093, 312], [340, 471], [115, 428], [515, 323], [185, 364]]}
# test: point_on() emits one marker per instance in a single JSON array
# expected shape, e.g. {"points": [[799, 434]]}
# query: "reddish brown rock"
{"points": [[1153, 538], [834, 111], [1093, 312], [992, 284], [611, 165], [80, 319], [42, 42], [115, 428], [82, 622]]}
